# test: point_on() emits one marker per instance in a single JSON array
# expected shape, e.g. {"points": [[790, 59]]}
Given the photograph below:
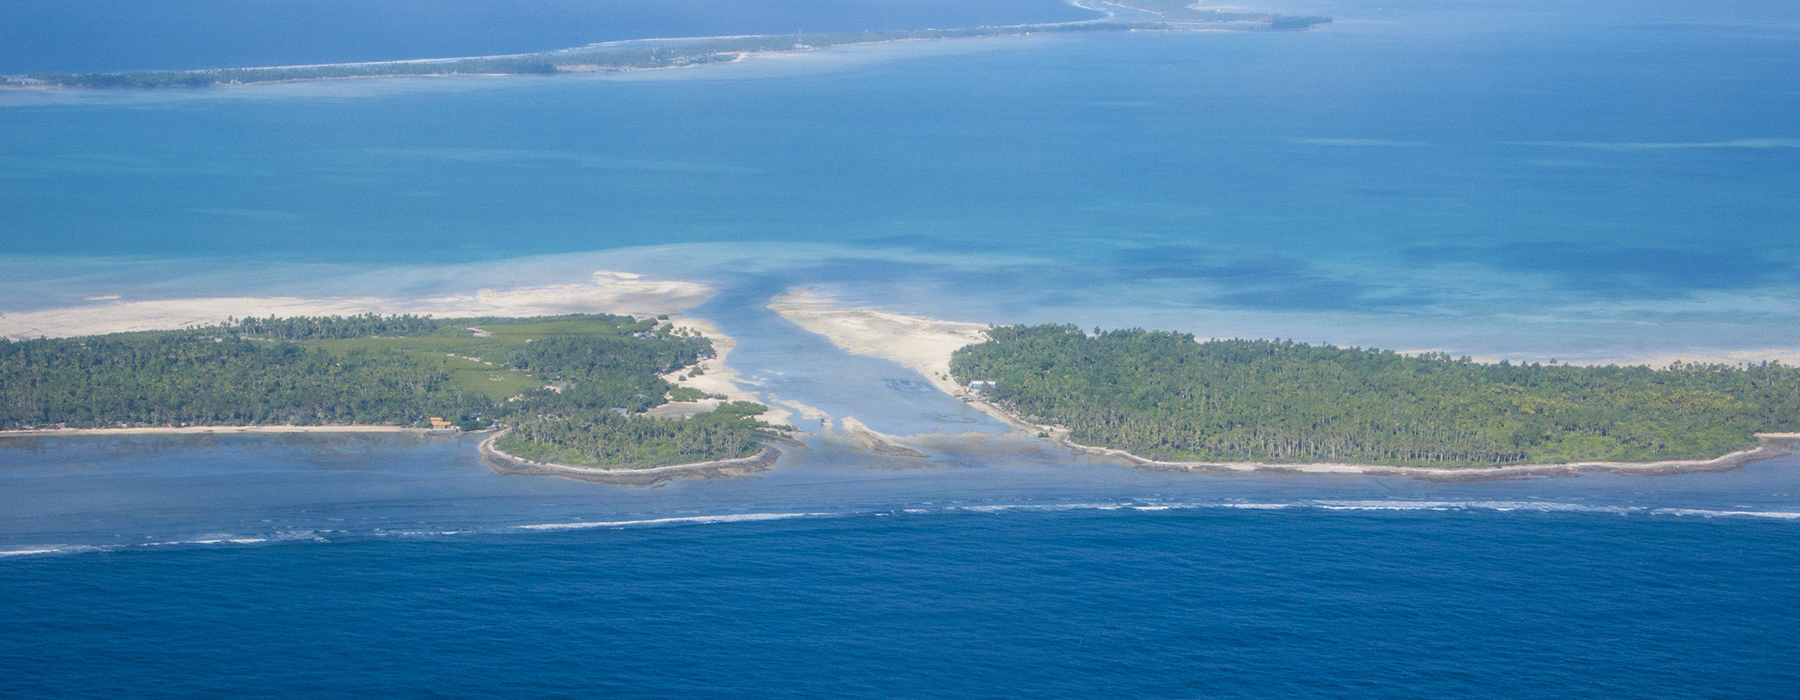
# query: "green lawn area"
{"points": [[480, 364]]}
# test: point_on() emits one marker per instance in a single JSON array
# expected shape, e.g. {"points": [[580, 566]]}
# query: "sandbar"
{"points": [[921, 344], [606, 291], [716, 376]]}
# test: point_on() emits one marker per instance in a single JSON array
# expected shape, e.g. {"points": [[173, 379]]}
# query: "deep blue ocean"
{"points": [[1522, 179], [399, 566], [1057, 605]]}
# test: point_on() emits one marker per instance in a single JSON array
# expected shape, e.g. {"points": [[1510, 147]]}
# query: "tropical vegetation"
{"points": [[575, 387], [1168, 396]]}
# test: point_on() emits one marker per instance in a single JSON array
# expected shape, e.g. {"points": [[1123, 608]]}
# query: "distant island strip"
{"points": [[649, 54], [573, 395]]}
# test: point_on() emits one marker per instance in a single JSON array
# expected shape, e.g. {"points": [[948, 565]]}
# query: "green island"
{"points": [[604, 58], [1168, 397], [567, 389]]}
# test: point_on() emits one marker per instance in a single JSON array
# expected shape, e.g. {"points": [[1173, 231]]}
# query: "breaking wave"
{"points": [[690, 519], [1147, 507]]}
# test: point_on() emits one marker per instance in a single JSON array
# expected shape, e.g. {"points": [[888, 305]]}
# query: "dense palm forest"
{"points": [[331, 327], [164, 379], [609, 439], [573, 386], [1165, 396]]}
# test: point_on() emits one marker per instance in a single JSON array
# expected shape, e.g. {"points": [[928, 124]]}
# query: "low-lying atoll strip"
{"points": [[628, 55]]}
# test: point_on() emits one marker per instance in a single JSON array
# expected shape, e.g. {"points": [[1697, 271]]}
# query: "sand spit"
{"points": [[606, 292], [716, 376], [217, 430], [505, 463], [879, 443], [921, 344]]}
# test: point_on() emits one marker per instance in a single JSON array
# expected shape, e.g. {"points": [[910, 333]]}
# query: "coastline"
{"points": [[925, 345], [501, 462], [611, 291], [633, 55], [700, 51], [605, 291], [716, 377], [1774, 446], [918, 343]]}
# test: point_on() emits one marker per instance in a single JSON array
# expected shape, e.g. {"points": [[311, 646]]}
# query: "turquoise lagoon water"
{"points": [[1524, 180], [1600, 182]]}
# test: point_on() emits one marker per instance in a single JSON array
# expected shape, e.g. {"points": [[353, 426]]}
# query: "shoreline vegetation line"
{"points": [[504, 463], [928, 346], [617, 391], [537, 388], [1773, 446], [491, 456]]}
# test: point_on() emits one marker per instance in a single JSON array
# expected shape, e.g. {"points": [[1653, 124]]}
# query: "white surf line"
{"points": [[697, 519]]}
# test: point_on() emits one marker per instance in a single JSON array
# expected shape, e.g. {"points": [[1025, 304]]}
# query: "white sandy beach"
{"points": [[605, 292], [922, 344], [918, 343], [716, 377]]}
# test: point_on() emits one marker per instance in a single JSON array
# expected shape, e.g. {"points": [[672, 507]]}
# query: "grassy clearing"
{"points": [[482, 363]]}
